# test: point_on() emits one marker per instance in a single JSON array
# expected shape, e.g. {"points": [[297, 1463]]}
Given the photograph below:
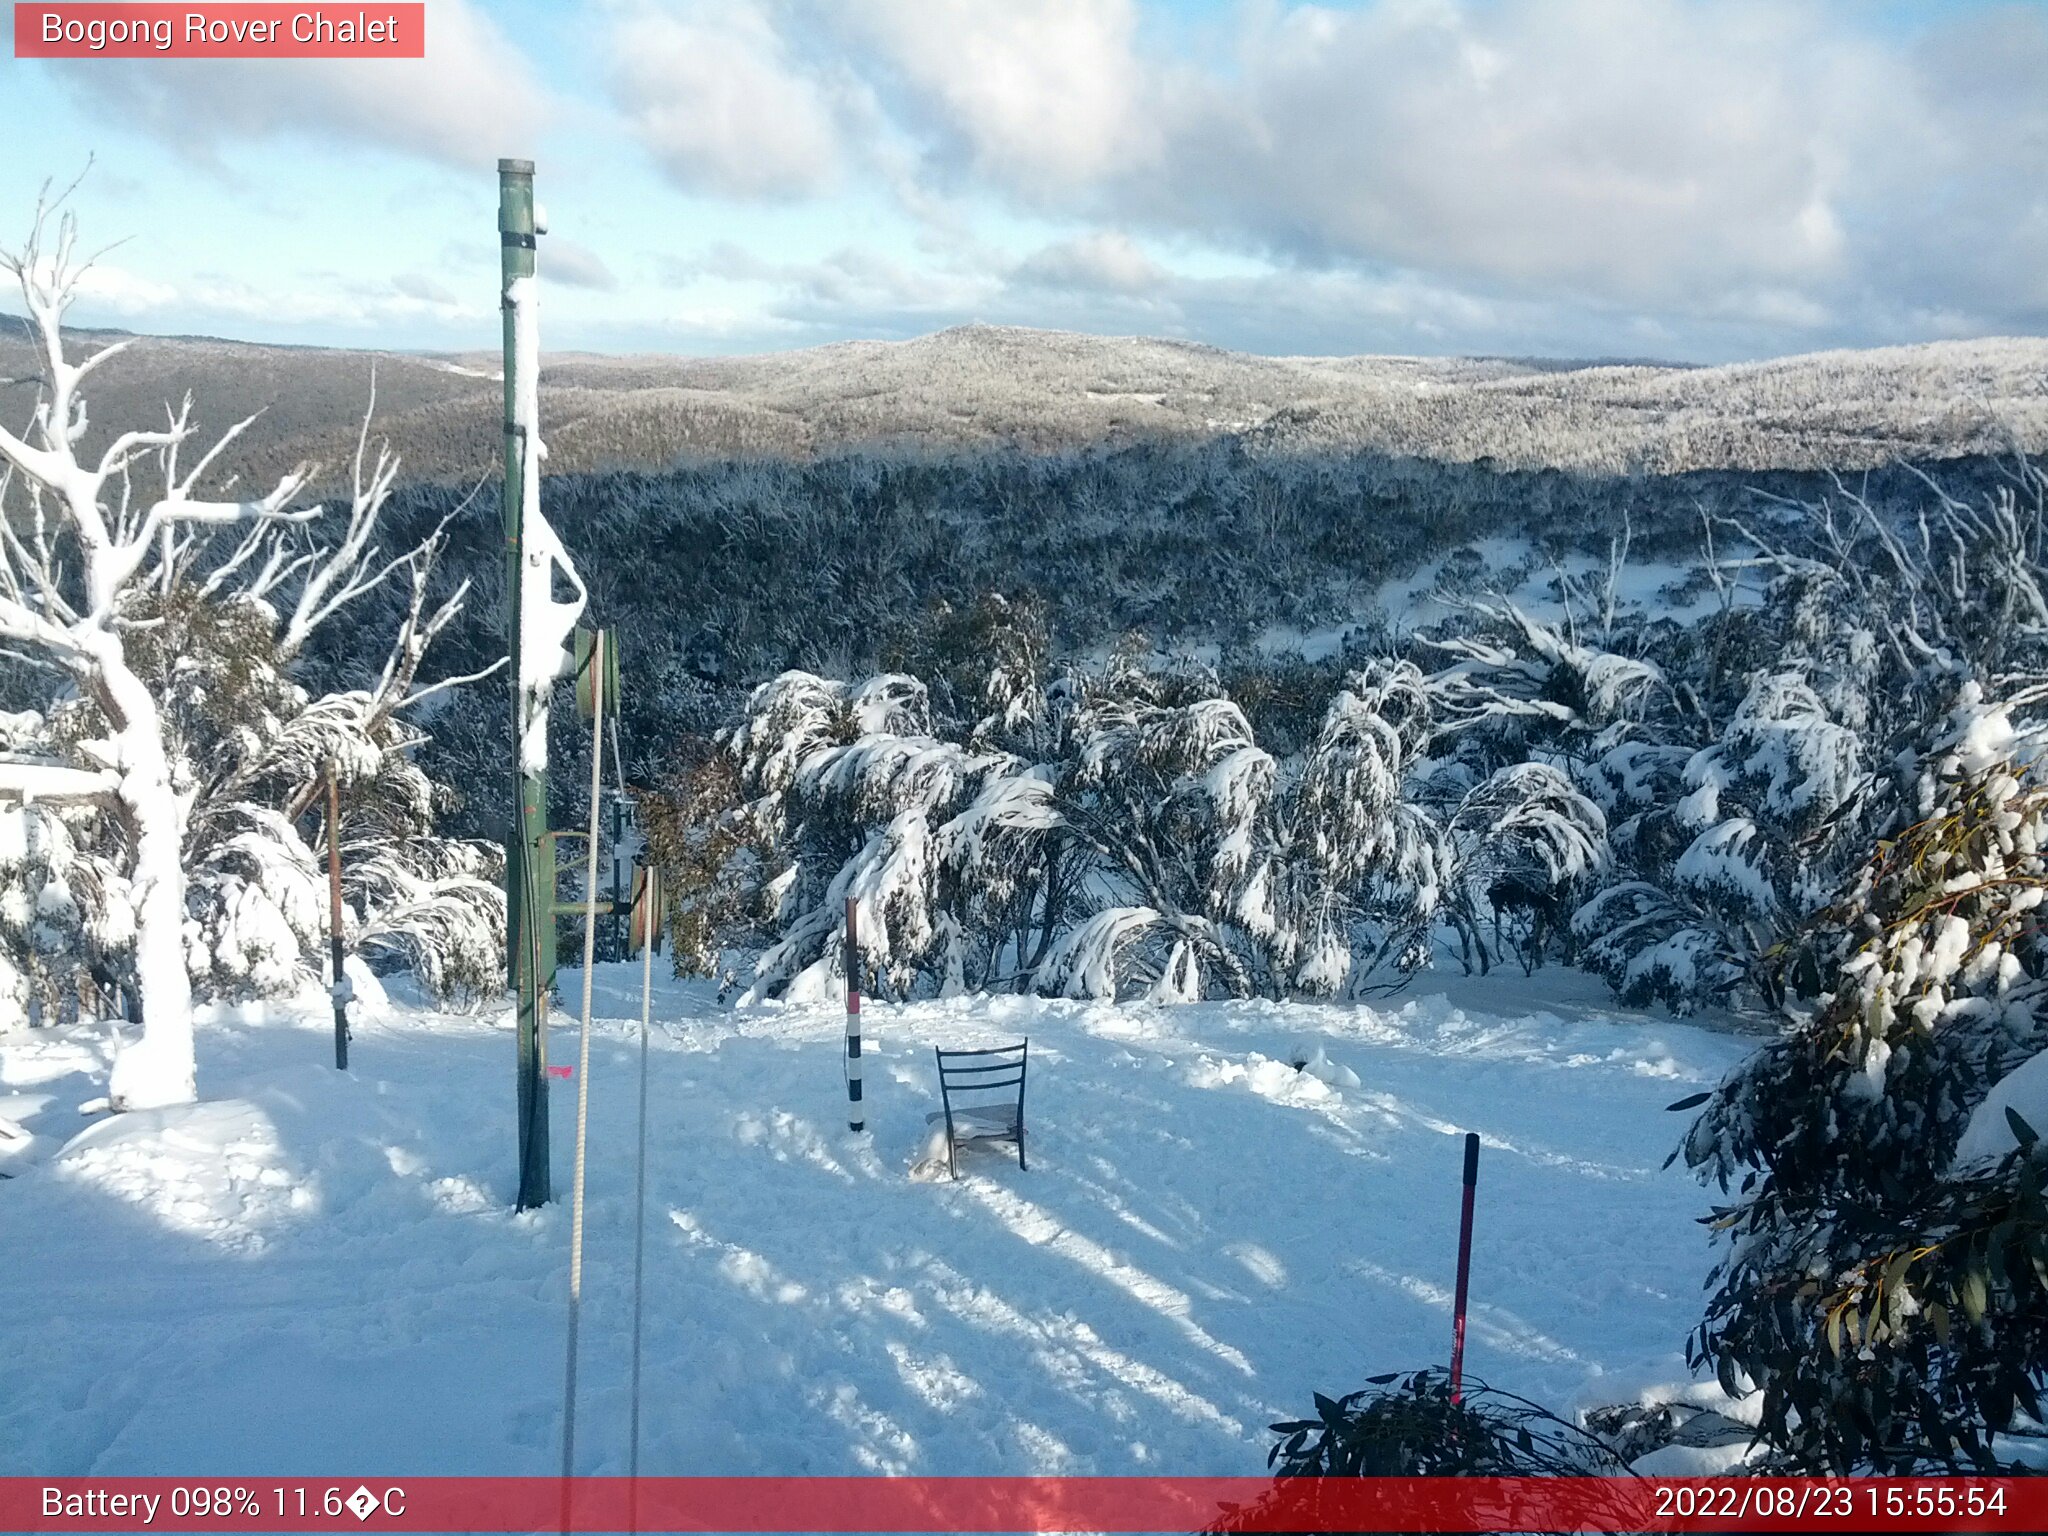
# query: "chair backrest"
{"points": [[1001, 1066]]}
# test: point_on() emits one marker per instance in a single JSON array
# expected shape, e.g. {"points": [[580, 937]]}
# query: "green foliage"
{"points": [[1894, 1314], [711, 856], [1911, 1357], [1410, 1425]]}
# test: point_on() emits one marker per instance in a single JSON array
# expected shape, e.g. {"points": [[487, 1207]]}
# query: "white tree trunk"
{"points": [[160, 1068]]}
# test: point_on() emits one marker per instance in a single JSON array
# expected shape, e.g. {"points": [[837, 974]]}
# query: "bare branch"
{"points": [[453, 682]]}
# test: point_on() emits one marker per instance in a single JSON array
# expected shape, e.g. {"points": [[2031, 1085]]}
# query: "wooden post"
{"points": [[855, 1114], [340, 991], [1464, 1268]]}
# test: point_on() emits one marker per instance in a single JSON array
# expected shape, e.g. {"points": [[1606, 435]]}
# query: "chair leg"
{"points": [[1021, 1164], [953, 1155]]}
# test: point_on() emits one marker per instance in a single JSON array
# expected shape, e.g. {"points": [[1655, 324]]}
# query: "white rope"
{"points": [[583, 1060], [653, 898]]}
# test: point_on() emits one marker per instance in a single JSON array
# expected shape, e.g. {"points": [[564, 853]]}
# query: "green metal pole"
{"points": [[529, 874]]}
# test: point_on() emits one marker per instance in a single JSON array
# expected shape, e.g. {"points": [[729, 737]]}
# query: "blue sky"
{"points": [[1701, 181]]}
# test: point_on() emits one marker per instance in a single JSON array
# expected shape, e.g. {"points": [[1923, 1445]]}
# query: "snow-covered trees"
{"points": [[1662, 798], [1892, 1310], [1101, 831], [1725, 847], [1740, 805], [157, 797]]}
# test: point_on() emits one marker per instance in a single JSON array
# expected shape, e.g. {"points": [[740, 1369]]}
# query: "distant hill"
{"points": [[1050, 390]]}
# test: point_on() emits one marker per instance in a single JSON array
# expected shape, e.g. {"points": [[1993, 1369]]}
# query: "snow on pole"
{"points": [[855, 1115], [340, 990], [1464, 1268], [527, 926], [539, 626]]}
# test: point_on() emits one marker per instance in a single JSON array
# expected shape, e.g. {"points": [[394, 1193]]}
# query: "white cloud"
{"points": [[564, 261], [715, 94], [474, 97], [1637, 149], [116, 290], [1103, 282], [413, 285], [1106, 260], [113, 292], [851, 285], [1719, 170], [1040, 95]]}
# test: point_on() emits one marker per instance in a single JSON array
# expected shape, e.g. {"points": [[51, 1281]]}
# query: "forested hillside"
{"points": [[718, 575]]}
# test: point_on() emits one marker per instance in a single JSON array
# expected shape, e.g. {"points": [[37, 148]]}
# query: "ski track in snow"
{"points": [[315, 1273]]}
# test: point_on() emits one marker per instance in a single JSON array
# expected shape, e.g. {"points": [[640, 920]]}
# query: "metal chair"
{"points": [[1000, 1067]]}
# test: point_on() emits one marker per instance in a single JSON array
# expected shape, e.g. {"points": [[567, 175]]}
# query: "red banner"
{"points": [[215, 31], [986, 1504]]}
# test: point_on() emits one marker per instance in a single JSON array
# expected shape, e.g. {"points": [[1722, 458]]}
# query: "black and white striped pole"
{"points": [[855, 1116]]}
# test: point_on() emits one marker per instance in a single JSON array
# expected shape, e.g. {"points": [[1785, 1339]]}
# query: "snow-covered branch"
{"points": [[45, 779]]}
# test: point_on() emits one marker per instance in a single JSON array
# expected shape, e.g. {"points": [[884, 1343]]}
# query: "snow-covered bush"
{"points": [[64, 911], [251, 751], [945, 843], [1521, 671], [1738, 806], [1893, 1315]]}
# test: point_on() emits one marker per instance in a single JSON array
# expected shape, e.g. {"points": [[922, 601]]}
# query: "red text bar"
{"points": [[988, 1504], [216, 31]]}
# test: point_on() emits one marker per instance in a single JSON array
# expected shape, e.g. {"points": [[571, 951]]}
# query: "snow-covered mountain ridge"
{"points": [[1050, 389]]}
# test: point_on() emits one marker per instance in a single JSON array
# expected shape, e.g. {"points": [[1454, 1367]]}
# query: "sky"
{"points": [[1575, 178]]}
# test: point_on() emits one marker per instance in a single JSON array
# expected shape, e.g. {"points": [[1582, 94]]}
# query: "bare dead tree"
{"points": [[86, 555]]}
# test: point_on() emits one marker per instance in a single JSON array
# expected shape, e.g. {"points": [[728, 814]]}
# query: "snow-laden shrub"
{"points": [[434, 906], [1118, 830], [250, 752], [1893, 1315], [1739, 803], [64, 912], [1530, 844], [1723, 851], [854, 797], [1520, 671]]}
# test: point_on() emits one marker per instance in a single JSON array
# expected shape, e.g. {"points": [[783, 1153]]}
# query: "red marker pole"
{"points": [[855, 1120], [1464, 1268]]}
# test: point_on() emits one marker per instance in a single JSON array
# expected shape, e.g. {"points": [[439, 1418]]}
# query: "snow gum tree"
{"points": [[166, 618], [1892, 1304]]}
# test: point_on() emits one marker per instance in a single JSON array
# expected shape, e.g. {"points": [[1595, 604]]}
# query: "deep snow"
{"points": [[313, 1273]]}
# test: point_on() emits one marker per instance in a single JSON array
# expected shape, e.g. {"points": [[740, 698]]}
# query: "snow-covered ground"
{"points": [[313, 1272]]}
